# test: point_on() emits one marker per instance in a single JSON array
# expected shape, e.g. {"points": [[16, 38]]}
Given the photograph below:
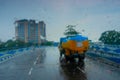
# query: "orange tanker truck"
{"points": [[73, 47]]}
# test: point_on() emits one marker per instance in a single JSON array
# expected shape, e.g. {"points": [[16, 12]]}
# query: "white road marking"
{"points": [[30, 71], [37, 58], [35, 62], [81, 70]]}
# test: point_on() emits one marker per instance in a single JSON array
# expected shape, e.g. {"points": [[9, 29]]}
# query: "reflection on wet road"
{"points": [[73, 72], [43, 64]]}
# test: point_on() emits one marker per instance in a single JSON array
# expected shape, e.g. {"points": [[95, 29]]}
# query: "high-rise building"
{"points": [[30, 31], [42, 31]]}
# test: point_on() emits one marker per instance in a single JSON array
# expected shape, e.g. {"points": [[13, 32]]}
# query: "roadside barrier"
{"points": [[105, 54], [6, 55]]}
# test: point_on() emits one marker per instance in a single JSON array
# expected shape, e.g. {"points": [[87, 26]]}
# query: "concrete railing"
{"points": [[6, 55], [107, 53]]}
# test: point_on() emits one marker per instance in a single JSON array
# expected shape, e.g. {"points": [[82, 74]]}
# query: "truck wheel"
{"points": [[66, 58], [81, 62], [81, 58], [72, 60]]}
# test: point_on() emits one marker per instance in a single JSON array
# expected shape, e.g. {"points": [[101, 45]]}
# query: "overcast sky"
{"points": [[91, 17]]}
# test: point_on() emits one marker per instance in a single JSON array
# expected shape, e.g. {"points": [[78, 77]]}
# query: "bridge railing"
{"points": [[5, 55], [107, 52]]}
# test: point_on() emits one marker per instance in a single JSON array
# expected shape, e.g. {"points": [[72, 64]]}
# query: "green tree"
{"points": [[70, 31], [110, 37], [9, 44], [47, 43], [21, 44]]}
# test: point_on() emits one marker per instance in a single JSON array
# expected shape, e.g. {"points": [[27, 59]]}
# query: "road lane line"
{"points": [[35, 62], [81, 70], [37, 58], [30, 71]]}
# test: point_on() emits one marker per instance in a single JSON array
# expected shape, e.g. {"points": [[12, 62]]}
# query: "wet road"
{"points": [[43, 64]]}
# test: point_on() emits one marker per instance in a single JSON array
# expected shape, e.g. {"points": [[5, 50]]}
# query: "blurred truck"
{"points": [[73, 48]]}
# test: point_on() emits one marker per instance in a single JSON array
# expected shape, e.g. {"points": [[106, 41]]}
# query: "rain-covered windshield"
{"points": [[41, 39]]}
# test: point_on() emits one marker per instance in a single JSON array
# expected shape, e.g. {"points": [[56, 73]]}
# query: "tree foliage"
{"points": [[48, 43], [10, 44], [110, 37], [70, 31]]}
